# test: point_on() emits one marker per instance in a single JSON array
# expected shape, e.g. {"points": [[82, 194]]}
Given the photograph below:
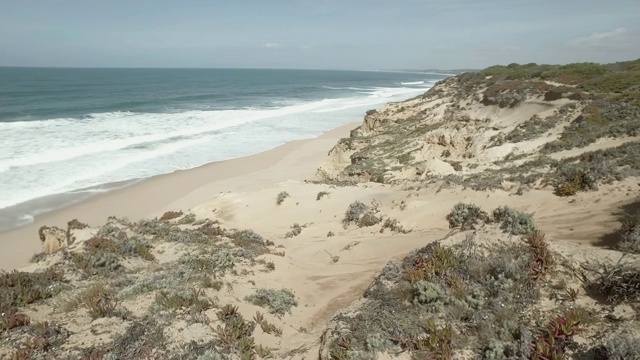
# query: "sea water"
{"points": [[69, 133]]}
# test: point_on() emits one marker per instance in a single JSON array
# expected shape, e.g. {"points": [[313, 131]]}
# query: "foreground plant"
{"points": [[552, 343]]}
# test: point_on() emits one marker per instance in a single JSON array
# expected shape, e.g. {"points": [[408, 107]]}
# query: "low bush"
{"points": [[476, 290], [322, 194], [278, 302], [465, 216], [170, 215], [19, 288], [621, 347], [630, 234], [187, 219], [514, 221], [296, 229], [76, 225], [361, 215], [281, 197], [217, 262]]}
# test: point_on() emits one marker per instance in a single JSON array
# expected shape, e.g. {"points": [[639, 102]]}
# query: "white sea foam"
{"points": [[62, 155]]}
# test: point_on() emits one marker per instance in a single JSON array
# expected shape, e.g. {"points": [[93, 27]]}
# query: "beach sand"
{"points": [[181, 190]]}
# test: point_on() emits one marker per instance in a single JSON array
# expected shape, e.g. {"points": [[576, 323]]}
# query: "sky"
{"points": [[318, 34]]}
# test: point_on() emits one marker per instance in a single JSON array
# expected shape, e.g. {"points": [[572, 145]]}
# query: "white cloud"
{"points": [[272, 45], [618, 39]]}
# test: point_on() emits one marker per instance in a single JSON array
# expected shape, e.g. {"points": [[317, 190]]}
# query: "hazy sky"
{"points": [[320, 34]]}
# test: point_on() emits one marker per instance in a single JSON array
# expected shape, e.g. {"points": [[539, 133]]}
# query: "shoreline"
{"points": [[181, 190]]}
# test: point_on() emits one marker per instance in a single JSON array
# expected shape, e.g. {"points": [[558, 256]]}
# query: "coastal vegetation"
{"points": [[486, 295], [553, 109], [494, 217]]}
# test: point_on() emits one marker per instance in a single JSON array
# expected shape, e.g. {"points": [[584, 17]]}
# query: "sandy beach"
{"points": [[181, 190]]}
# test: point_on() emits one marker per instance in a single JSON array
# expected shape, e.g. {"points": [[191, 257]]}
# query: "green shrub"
{"points": [[247, 237], [465, 216], [220, 261], [360, 214], [355, 210], [514, 221], [630, 235], [621, 347], [187, 219], [428, 292], [278, 302]]}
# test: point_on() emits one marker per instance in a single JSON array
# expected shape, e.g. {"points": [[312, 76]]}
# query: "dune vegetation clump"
{"points": [[322, 194], [278, 302], [630, 234], [361, 215], [465, 216], [513, 221], [281, 197], [170, 215], [296, 230]]}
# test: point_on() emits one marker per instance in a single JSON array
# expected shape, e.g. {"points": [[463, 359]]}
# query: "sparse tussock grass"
{"points": [[618, 282], [278, 302]]}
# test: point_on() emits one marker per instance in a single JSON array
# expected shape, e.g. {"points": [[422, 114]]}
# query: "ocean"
{"points": [[68, 134]]}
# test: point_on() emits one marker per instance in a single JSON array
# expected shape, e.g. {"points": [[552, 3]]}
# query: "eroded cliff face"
{"points": [[484, 123]]}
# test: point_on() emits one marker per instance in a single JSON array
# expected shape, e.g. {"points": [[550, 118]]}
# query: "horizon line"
{"points": [[421, 71]]}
